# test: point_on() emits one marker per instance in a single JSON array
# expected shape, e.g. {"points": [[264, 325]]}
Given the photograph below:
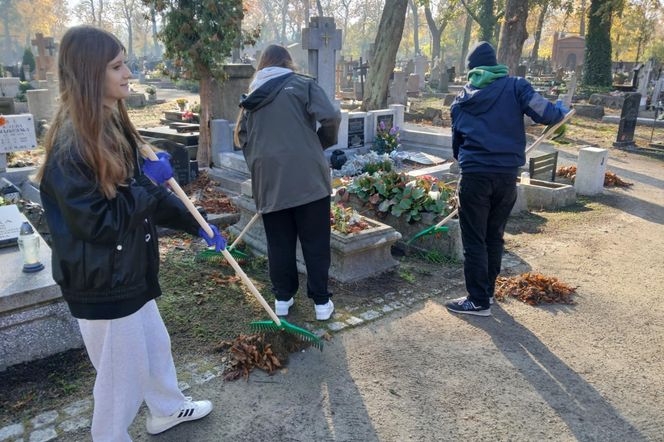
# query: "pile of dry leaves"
{"points": [[534, 289], [267, 351], [610, 178], [203, 192]]}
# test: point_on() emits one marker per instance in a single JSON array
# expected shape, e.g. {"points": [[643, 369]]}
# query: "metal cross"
{"points": [[325, 38]]}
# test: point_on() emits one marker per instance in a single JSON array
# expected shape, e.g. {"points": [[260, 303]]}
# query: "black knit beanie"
{"points": [[482, 54]]}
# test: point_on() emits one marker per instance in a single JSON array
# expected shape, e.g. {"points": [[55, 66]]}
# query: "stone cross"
{"points": [[45, 59], [322, 40], [644, 82]]}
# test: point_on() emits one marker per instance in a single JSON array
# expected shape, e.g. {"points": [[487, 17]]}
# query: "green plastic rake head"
{"points": [[305, 335], [214, 256], [428, 231]]}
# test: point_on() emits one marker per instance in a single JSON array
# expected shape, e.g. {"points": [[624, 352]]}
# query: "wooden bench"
{"points": [[544, 165]]}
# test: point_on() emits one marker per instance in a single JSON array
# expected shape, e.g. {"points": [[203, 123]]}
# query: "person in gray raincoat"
{"points": [[290, 176]]}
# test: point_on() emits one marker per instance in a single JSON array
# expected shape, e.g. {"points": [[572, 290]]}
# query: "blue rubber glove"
{"points": [[158, 171], [217, 240], [563, 109]]}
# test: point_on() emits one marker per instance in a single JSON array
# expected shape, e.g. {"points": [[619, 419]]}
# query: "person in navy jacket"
{"points": [[488, 141]]}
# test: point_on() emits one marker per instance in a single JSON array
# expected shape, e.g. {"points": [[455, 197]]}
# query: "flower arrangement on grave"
{"points": [[387, 140], [182, 103], [188, 116], [402, 195], [370, 162], [346, 220]]}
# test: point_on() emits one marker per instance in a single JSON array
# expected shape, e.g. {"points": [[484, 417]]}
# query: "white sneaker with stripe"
{"points": [[190, 411]]}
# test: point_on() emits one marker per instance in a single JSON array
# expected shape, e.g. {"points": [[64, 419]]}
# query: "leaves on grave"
{"points": [[246, 353], [610, 178], [204, 192], [534, 289]]}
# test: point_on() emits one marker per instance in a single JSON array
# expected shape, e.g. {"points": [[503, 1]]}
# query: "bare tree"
{"points": [[416, 26], [447, 11], [388, 37], [534, 55]]}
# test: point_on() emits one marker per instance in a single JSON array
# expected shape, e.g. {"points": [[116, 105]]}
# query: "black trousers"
{"points": [[311, 224], [485, 202]]}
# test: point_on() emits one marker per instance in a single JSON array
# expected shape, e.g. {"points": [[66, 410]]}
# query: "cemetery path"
{"points": [[590, 371]]}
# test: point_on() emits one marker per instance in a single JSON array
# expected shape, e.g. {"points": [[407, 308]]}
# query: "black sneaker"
{"points": [[463, 305]]}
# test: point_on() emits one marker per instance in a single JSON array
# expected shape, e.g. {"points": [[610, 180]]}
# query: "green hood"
{"points": [[482, 76]]}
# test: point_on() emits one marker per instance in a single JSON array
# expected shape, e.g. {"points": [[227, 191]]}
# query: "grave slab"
{"points": [[35, 322]]}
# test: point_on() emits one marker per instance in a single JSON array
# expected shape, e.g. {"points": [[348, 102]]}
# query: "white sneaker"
{"points": [[190, 411], [323, 312], [281, 307]]}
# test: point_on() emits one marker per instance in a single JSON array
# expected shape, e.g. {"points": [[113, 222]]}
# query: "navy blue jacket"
{"points": [[488, 134]]}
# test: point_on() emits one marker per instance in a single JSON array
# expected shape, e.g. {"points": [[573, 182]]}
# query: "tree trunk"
{"points": [[306, 13], [597, 60], [7, 39], [284, 15], [534, 55], [130, 38], [487, 21], [156, 51], [416, 26], [582, 24], [387, 41], [319, 7], [514, 33], [436, 33], [466, 42], [497, 27]]}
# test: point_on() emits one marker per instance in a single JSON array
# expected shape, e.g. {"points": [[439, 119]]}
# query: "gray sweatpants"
{"points": [[132, 356]]}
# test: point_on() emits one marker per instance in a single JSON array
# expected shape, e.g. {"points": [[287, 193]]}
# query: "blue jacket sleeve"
{"points": [[457, 138], [538, 108]]}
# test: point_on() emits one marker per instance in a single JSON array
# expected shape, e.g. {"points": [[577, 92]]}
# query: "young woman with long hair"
{"points": [[102, 203], [290, 176]]}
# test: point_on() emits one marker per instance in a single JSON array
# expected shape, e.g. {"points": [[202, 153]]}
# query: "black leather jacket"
{"points": [[105, 253]]}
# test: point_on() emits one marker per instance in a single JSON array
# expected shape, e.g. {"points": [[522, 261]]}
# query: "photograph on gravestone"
{"points": [[356, 132]]}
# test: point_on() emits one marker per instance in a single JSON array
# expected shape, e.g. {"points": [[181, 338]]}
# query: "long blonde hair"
{"points": [[83, 127], [272, 56]]}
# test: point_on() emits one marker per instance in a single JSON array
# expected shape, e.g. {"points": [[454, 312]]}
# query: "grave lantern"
{"points": [[28, 243]]}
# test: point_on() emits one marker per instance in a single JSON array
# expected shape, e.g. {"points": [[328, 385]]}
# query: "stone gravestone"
{"points": [[17, 132], [7, 106], [238, 78], [397, 89], [659, 87], [571, 90], [443, 85], [628, 116], [45, 60], [410, 68], [9, 87], [356, 129], [420, 68], [413, 85], [40, 104], [590, 171], [434, 77], [644, 82], [183, 160], [322, 40]]}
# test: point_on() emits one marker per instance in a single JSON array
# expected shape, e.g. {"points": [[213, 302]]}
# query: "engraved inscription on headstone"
{"points": [[17, 132], [356, 132]]}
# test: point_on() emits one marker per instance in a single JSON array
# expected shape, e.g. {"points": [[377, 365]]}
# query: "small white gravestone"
{"points": [[10, 224], [17, 132], [590, 171]]}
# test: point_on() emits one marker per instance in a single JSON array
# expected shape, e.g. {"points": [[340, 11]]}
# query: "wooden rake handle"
{"points": [[148, 153], [246, 228], [547, 133], [444, 221]]}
